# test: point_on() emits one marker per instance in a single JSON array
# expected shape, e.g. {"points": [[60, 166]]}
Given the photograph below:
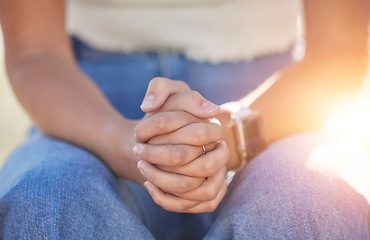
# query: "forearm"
{"points": [[65, 104], [308, 93]]}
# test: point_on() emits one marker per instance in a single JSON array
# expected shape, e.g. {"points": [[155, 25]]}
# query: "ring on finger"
{"points": [[203, 150]]}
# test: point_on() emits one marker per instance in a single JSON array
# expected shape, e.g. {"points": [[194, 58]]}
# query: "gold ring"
{"points": [[203, 150]]}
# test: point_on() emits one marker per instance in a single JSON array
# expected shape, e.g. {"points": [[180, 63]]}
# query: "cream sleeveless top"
{"points": [[203, 30]]}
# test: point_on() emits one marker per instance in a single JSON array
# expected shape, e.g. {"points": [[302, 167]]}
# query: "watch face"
{"points": [[252, 127]]}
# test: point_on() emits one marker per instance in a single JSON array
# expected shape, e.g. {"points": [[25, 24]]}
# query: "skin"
{"points": [[159, 151]]}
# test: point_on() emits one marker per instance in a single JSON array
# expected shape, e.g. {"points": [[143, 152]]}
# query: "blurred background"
{"points": [[13, 120]]}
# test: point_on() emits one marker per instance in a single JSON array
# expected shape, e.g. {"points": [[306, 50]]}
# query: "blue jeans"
{"points": [[51, 189]]}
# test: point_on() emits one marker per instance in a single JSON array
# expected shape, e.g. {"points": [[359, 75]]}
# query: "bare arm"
{"points": [[60, 99], [330, 75]]}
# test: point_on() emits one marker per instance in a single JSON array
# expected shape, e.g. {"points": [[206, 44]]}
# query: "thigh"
{"points": [[53, 189], [288, 192]]}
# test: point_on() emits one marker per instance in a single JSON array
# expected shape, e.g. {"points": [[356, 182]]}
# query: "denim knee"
{"points": [[57, 190], [279, 196]]}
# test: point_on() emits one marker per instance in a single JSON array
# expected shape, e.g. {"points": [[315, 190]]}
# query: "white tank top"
{"points": [[204, 30]]}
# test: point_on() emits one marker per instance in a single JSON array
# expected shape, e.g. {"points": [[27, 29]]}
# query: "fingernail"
{"points": [[142, 167], [215, 121], [208, 106], [148, 101], [138, 149], [148, 187]]}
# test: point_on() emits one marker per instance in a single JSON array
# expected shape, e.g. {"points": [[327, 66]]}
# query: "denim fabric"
{"points": [[50, 189], [124, 78], [279, 196]]}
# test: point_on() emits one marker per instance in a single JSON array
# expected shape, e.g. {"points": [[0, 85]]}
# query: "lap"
{"points": [[55, 189]]}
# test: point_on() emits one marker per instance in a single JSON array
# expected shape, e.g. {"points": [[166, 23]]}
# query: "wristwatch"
{"points": [[244, 131]]}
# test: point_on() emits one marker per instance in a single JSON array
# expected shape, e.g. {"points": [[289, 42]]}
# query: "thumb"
{"points": [[159, 90], [192, 102]]}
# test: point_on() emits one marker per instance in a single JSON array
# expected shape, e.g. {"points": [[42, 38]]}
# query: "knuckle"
{"points": [[160, 122], [208, 168], [202, 134], [182, 84], [180, 207], [183, 186], [210, 194], [178, 156], [191, 97], [194, 95], [218, 132], [210, 207], [140, 132], [158, 82]]}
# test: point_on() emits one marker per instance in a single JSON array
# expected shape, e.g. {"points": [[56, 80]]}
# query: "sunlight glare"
{"points": [[354, 122], [348, 156]]}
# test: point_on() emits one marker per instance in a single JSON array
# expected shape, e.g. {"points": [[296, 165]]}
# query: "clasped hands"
{"points": [[178, 176]]}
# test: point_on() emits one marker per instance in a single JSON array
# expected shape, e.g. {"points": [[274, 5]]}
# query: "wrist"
{"points": [[116, 141]]}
